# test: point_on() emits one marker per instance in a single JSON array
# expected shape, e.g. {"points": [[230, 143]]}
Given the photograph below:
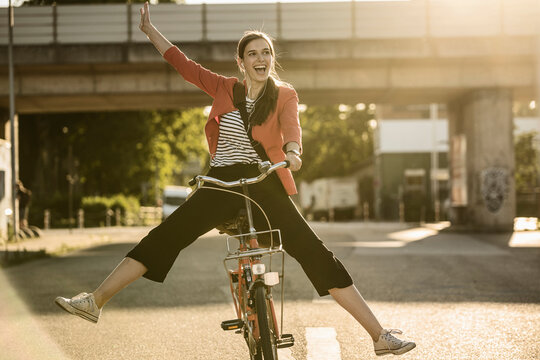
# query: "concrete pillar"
{"points": [[482, 160]]}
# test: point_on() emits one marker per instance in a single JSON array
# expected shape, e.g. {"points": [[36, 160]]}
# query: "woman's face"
{"points": [[258, 60]]}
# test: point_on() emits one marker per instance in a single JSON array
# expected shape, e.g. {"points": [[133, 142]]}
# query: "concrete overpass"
{"points": [[93, 57], [477, 56]]}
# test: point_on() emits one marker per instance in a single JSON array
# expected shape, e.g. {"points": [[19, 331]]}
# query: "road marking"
{"points": [[322, 344]]}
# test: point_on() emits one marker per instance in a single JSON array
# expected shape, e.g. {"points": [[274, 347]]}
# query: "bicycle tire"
{"points": [[267, 327]]}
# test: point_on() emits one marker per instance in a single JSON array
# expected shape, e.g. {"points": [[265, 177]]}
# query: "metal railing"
{"points": [[118, 23]]}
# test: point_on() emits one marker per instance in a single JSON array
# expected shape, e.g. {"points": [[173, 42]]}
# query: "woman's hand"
{"points": [[159, 41], [294, 160], [145, 25]]}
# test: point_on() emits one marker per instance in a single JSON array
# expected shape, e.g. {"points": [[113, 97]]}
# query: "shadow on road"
{"points": [[442, 267]]}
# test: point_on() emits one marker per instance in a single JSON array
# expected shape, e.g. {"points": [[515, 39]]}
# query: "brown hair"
{"points": [[267, 99]]}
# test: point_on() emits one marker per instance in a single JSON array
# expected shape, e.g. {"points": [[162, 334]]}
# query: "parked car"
{"points": [[173, 197]]}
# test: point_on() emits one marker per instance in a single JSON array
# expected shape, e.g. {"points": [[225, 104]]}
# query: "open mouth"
{"points": [[261, 69]]}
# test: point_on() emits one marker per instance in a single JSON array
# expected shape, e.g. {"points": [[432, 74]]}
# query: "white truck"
{"points": [[325, 198]]}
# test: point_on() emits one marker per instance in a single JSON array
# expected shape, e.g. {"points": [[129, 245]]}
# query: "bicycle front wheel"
{"points": [[267, 327]]}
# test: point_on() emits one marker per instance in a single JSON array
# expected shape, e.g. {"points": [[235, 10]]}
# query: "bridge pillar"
{"points": [[482, 160]]}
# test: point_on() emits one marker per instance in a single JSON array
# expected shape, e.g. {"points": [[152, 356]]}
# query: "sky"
{"points": [[4, 3]]}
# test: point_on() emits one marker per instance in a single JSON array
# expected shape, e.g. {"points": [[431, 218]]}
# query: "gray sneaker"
{"points": [[389, 344], [83, 305]]}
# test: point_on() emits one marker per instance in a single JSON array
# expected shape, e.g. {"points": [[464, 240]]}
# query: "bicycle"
{"points": [[250, 283]]}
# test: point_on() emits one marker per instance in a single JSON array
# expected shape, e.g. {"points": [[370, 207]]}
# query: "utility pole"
{"points": [[13, 119], [433, 114]]}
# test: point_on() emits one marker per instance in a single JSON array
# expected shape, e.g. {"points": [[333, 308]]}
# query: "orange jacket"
{"points": [[281, 127]]}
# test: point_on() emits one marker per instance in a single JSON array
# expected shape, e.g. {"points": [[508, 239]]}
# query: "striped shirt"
{"points": [[233, 143]]}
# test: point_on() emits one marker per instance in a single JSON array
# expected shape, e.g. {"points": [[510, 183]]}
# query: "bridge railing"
{"points": [[118, 23]]}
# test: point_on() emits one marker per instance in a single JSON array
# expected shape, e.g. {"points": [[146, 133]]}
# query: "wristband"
{"points": [[294, 151]]}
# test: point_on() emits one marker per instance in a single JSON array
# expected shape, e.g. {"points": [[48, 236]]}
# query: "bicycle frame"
{"points": [[250, 274], [244, 279]]}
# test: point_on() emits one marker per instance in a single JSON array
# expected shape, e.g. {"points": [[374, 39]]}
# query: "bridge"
{"points": [[93, 57], [477, 56]]}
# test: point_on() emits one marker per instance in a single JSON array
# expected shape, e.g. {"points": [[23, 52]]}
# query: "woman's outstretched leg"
{"points": [[351, 300], [88, 306], [155, 254], [384, 342], [124, 274]]}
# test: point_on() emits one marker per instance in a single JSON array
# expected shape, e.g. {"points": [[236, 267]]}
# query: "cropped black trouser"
{"points": [[208, 208]]}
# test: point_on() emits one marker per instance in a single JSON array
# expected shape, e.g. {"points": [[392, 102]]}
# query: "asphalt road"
{"points": [[458, 296]]}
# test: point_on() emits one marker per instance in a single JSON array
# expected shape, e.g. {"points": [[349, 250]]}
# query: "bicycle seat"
{"points": [[238, 225]]}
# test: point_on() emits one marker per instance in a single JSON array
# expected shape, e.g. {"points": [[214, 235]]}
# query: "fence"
{"points": [[118, 23], [148, 215]]}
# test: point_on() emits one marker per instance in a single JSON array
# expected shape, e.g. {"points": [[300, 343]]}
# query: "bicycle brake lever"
{"points": [[193, 181]]}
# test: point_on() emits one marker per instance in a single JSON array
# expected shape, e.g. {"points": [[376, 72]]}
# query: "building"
{"points": [[408, 140]]}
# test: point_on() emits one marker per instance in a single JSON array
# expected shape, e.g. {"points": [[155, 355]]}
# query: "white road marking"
{"points": [[322, 344]]}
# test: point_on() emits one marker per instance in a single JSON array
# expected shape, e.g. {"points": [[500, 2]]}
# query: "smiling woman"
{"points": [[249, 121]]}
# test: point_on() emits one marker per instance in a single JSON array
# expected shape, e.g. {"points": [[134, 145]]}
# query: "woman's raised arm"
{"points": [[159, 41]]}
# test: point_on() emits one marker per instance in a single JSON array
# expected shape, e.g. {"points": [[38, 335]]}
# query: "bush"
{"points": [[95, 210], [96, 207], [58, 206], [129, 208]]}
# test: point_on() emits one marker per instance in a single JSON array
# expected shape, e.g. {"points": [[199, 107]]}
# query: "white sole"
{"points": [[399, 351], [65, 305]]}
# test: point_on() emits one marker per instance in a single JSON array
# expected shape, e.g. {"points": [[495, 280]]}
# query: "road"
{"points": [[459, 296]]}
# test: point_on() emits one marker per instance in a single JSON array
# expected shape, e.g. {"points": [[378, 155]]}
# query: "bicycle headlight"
{"points": [[258, 269]]}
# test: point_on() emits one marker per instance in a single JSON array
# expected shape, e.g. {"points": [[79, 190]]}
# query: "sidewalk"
{"points": [[56, 241], [63, 241]]}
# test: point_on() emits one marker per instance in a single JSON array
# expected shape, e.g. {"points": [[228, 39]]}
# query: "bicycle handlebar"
{"points": [[266, 168]]}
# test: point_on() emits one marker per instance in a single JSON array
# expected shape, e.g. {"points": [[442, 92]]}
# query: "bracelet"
{"points": [[294, 151]]}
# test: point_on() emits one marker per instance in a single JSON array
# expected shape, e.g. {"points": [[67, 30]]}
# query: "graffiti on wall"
{"points": [[494, 187]]}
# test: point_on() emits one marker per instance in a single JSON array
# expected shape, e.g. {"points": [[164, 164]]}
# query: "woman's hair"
{"points": [[267, 99]]}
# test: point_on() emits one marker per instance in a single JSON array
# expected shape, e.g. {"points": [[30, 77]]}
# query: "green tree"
{"points": [[108, 153], [335, 142]]}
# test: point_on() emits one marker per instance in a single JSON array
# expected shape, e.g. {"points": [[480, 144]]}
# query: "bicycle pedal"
{"points": [[285, 341], [232, 324]]}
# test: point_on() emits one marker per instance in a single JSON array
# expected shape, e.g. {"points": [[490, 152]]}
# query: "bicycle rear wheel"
{"points": [[267, 327]]}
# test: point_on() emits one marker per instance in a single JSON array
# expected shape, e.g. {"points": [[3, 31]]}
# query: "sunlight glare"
{"points": [[414, 234]]}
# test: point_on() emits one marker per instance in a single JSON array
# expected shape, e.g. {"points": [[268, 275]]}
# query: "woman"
{"points": [[273, 118]]}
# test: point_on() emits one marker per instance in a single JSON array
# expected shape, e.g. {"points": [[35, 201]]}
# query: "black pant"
{"points": [[207, 208]]}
